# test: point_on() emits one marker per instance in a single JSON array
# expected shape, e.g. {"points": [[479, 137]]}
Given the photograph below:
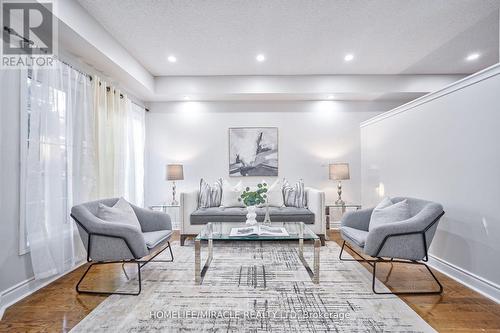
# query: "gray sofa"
{"points": [[113, 242], [238, 214], [405, 241], [193, 218]]}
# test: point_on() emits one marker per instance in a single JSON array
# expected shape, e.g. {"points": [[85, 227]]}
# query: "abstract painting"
{"points": [[253, 151]]}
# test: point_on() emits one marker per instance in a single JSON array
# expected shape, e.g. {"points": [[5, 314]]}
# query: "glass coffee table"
{"points": [[220, 231]]}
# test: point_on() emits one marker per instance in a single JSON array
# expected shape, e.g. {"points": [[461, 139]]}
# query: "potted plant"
{"points": [[253, 198]]}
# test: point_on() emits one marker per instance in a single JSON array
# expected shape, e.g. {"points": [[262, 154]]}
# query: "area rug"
{"points": [[254, 287]]}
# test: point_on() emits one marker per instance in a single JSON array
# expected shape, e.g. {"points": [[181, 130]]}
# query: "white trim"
{"points": [[460, 84], [25, 288], [481, 285]]}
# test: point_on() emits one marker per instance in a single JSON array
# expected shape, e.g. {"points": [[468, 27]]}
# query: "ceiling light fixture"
{"points": [[260, 57], [172, 58], [331, 97], [349, 57], [473, 56]]}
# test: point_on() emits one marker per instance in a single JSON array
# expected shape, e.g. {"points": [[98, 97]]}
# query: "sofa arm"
{"points": [[151, 220], [403, 239], [316, 204], [189, 203], [94, 225], [359, 219]]}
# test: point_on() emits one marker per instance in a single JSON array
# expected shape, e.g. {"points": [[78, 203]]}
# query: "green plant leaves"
{"points": [[251, 198]]}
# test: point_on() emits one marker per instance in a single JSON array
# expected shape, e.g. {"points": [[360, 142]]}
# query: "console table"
{"points": [[173, 210], [341, 208]]}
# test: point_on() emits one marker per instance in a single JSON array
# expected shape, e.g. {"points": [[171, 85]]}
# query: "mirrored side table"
{"points": [[334, 213], [173, 210]]}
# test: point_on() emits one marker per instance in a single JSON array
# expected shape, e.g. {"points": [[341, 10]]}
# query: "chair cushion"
{"points": [[121, 212], [355, 236], [383, 213], [154, 238], [237, 214]]}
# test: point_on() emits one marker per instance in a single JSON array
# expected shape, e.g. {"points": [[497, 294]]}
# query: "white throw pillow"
{"points": [[231, 194], [121, 212], [386, 212], [275, 195]]}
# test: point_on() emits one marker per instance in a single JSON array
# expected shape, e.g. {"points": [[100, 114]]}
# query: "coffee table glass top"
{"points": [[221, 231]]}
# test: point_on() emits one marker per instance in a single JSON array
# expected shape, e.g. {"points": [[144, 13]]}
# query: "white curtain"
{"points": [[134, 167], [60, 164], [120, 141]]}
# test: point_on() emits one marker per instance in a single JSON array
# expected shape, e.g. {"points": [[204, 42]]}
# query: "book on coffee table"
{"points": [[258, 230]]}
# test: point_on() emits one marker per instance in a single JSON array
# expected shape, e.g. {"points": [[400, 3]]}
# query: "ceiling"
{"points": [[300, 37]]}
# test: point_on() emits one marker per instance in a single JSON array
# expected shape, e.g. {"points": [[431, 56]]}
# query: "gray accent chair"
{"points": [[404, 242], [112, 242]]}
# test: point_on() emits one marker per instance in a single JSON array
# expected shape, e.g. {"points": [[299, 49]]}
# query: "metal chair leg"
{"points": [[369, 262], [140, 264], [407, 292], [171, 253], [94, 292]]}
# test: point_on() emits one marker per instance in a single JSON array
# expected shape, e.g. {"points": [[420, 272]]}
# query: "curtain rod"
{"points": [[11, 31], [14, 33]]}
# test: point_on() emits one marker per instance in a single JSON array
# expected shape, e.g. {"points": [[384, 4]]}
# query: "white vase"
{"points": [[251, 215]]}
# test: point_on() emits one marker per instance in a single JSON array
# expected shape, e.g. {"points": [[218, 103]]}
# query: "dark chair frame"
{"points": [[140, 263], [373, 262]]}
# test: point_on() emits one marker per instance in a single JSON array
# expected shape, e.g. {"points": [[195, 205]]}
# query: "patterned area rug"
{"points": [[254, 287]]}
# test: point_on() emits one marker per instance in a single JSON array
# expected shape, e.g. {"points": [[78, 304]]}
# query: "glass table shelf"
{"points": [[220, 231]]}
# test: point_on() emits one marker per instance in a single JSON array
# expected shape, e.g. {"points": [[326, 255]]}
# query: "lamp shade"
{"points": [[175, 172], [339, 171]]}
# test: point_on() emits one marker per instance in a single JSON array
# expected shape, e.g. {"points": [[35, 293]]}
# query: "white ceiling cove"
{"points": [[300, 37]]}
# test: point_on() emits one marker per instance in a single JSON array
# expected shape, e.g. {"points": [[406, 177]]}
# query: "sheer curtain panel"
{"points": [[60, 164], [120, 141]]}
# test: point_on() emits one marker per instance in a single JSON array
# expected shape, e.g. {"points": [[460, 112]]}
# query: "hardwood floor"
{"points": [[57, 307]]}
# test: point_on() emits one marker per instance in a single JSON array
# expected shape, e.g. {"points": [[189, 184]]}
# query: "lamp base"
{"points": [[339, 201], [174, 201]]}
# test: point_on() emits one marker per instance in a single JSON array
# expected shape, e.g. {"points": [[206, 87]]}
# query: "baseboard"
{"points": [[484, 287], [25, 288]]}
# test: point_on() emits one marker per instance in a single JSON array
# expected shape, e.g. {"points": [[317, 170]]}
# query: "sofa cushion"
{"points": [[294, 196], [231, 194], [237, 214], [154, 238], [354, 236], [210, 196]]}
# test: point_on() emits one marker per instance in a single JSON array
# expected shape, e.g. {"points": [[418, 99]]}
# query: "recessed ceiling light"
{"points": [[349, 57], [473, 56], [331, 97], [172, 58], [260, 57]]}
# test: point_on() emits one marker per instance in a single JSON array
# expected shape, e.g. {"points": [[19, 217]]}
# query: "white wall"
{"points": [[445, 147], [311, 135], [13, 267]]}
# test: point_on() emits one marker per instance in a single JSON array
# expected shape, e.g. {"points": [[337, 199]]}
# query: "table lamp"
{"points": [[339, 171], [174, 172]]}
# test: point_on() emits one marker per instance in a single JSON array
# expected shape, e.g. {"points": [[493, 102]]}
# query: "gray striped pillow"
{"points": [[210, 195], [294, 196]]}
